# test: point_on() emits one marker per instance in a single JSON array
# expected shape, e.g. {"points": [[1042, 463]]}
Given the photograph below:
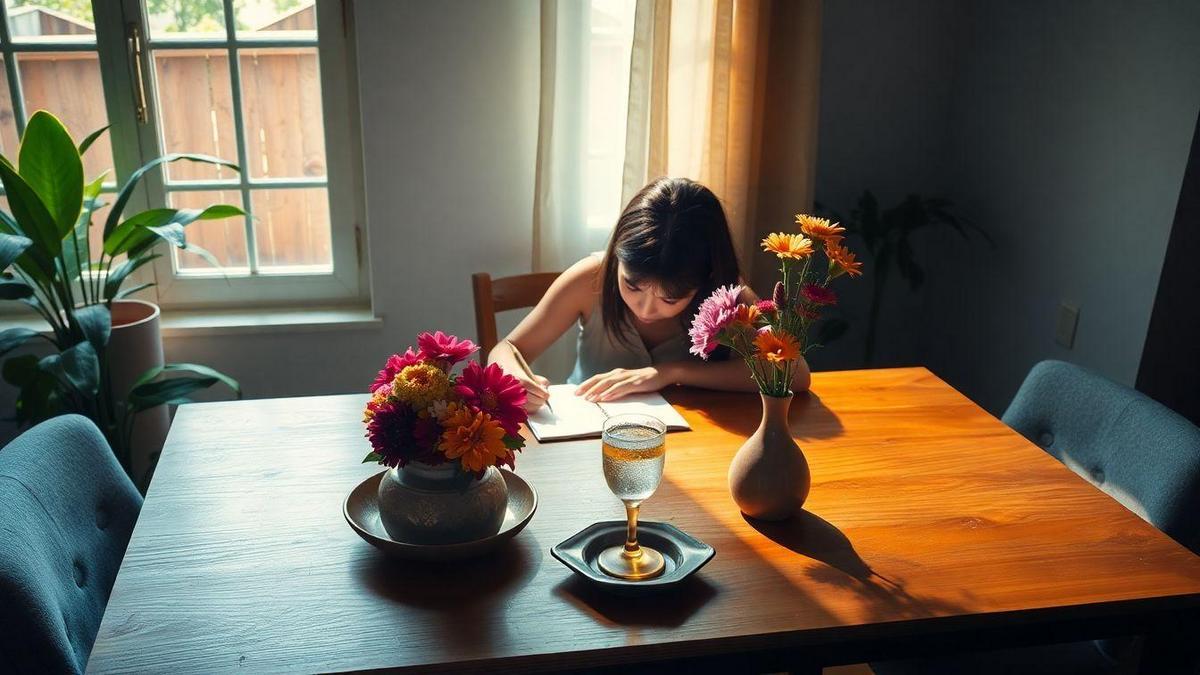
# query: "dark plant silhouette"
{"points": [[887, 236]]}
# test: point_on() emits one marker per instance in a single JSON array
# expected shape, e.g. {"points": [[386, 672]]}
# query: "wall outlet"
{"points": [[1064, 327]]}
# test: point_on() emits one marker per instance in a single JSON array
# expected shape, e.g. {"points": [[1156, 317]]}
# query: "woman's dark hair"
{"points": [[673, 233]]}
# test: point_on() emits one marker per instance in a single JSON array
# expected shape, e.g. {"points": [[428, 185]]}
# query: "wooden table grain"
{"points": [[929, 522]]}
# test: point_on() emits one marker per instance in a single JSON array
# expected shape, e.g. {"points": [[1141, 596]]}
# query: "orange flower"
{"points": [[745, 315], [841, 260], [819, 228], [776, 347], [474, 438], [783, 245]]}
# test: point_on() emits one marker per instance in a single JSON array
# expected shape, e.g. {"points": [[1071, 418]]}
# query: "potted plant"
{"points": [[769, 477], [443, 437], [47, 264], [887, 235]]}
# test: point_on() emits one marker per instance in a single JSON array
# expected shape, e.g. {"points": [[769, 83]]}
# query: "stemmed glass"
{"points": [[634, 450]]}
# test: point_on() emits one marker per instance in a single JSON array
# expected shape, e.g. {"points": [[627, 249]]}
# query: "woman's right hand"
{"points": [[536, 390]]}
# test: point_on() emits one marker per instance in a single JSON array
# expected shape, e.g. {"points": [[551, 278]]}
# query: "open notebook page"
{"points": [[569, 416]]}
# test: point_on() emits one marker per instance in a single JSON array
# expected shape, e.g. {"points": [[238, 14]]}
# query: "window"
{"points": [[267, 84]]}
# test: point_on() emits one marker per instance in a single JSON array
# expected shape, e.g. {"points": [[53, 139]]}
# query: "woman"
{"points": [[671, 248]]}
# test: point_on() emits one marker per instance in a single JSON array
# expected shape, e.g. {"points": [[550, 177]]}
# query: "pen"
{"points": [[525, 367]]}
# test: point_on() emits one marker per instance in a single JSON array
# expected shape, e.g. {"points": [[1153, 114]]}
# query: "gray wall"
{"points": [[1065, 136], [887, 73]]}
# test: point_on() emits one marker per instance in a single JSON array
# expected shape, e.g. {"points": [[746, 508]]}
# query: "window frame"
{"points": [[347, 282]]}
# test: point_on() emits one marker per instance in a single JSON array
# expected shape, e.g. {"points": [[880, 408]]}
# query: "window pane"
{"points": [[51, 21], [225, 239], [8, 119], [68, 85], [286, 19], [182, 19], [291, 229], [285, 136], [195, 105]]}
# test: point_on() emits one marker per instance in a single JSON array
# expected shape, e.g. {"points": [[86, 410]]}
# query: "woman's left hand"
{"points": [[620, 382]]}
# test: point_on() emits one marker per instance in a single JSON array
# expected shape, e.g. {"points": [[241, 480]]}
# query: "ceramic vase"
{"points": [[441, 504], [769, 477]]}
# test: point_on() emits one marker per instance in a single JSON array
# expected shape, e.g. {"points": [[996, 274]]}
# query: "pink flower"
{"points": [[716, 313], [494, 392], [447, 349], [818, 295], [395, 364], [766, 306]]}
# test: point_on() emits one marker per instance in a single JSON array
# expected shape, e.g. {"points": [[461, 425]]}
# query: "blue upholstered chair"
{"points": [[1139, 452], [66, 512]]}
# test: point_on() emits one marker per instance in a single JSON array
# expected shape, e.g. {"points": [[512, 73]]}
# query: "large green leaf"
{"points": [[112, 284], [39, 396], [148, 392], [12, 246], [11, 338], [50, 164], [78, 366], [118, 209], [96, 323], [34, 219], [30, 262], [136, 234]]}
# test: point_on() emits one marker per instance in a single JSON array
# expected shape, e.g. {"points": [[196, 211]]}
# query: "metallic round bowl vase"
{"points": [[441, 504]]}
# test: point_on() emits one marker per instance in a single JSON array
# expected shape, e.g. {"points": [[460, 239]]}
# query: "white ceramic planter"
{"points": [[134, 348]]}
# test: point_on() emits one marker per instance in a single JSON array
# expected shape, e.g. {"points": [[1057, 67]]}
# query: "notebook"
{"points": [[571, 417]]}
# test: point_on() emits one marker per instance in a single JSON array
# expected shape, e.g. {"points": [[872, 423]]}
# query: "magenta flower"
{"points": [[399, 436], [495, 392], [447, 349], [766, 306], [779, 295], [818, 295], [716, 313], [395, 364]]}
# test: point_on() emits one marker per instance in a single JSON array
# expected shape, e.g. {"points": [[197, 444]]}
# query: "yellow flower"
{"points": [[420, 384], [819, 228], [841, 260], [776, 347], [783, 245], [473, 438]]}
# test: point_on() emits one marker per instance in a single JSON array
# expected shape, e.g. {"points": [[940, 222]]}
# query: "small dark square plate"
{"points": [[682, 553]]}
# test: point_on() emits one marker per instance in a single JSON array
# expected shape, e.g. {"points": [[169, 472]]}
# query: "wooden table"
{"points": [[930, 523]]}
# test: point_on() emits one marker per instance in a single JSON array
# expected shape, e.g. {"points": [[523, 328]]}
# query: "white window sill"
{"points": [[199, 323]]}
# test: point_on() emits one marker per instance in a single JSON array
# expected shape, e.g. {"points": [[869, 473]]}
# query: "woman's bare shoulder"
{"points": [[580, 283]]}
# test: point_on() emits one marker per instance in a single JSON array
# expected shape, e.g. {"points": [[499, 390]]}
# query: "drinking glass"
{"points": [[634, 450]]}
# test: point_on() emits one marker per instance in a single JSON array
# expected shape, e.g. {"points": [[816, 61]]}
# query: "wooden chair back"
{"points": [[503, 294]]}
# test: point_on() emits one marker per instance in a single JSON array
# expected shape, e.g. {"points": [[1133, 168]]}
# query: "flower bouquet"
{"points": [[443, 437], [769, 476]]}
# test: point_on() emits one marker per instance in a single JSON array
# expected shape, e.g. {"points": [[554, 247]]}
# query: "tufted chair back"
{"points": [[1139, 452], [66, 513]]}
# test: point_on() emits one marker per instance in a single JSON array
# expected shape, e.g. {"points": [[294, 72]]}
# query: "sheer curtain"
{"points": [[720, 91]]}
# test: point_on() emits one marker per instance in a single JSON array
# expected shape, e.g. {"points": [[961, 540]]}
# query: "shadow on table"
{"points": [[450, 585], [808, 418], [814, 537], [665, 608]]}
